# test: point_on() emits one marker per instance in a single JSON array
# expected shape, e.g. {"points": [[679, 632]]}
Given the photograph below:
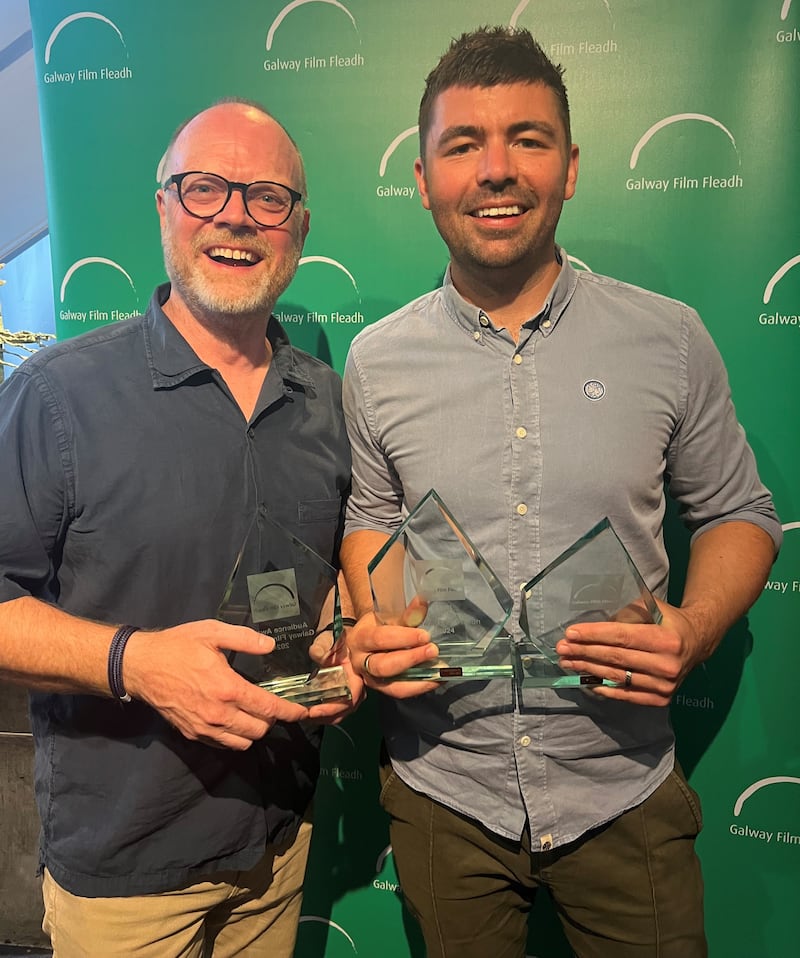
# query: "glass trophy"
{"points": [[430, 575], [280, 587], [594, 580]]}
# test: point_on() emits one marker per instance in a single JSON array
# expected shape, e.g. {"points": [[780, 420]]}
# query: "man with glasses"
{"points": [[173, 793]]}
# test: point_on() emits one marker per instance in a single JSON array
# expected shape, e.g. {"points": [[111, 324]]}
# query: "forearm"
{"points": [[728, 566], [356, 553], [45, 648]]}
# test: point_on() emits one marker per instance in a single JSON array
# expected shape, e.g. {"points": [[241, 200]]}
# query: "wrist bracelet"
{"points": [[115, 651]]}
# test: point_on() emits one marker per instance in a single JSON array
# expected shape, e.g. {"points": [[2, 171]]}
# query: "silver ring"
{"points": [[628, 677], [366, 664]]}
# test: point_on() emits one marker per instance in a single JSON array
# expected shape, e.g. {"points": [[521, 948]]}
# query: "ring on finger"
{"points": [[628, 677], [366, 663]]}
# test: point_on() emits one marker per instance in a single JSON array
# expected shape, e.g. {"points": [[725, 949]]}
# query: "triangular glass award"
{"points": [[430, 575], [280, 587], [594, 580]]}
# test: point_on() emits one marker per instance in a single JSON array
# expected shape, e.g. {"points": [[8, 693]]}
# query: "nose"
{"points": [[497, 167], [234, 212]]}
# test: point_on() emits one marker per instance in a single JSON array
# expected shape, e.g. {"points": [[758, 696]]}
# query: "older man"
{"points": [[173, 792], [537, 400]]}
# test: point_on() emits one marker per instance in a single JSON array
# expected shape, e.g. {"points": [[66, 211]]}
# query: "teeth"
{"points": [[224, 253], [499, 211]]}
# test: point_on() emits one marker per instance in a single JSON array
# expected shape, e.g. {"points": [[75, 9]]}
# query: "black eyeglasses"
{"points": [[205, 194]]}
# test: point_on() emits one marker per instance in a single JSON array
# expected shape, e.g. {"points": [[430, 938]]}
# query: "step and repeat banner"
{"points": [[686, 114]]}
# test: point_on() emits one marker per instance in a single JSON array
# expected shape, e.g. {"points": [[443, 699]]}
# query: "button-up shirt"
{"points": [[611, 393], [130, 478]]}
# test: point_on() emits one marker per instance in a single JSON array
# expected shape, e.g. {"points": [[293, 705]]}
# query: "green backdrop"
{"points": [[686, 114]]}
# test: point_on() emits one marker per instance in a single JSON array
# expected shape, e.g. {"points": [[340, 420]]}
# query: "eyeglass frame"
{"points": [[178, 178]]}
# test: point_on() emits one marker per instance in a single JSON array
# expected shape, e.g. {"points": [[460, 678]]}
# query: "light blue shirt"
{"points": [[610, 393]]}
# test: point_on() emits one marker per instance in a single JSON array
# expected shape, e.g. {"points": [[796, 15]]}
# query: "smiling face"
{"points": [[227, 266], [496, 171]]}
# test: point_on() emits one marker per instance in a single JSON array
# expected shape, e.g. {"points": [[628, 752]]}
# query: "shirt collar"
{"points": [[172, 360], [473, 319]]}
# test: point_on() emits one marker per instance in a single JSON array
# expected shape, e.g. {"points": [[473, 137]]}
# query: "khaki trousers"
{"points": [[230, 914]]}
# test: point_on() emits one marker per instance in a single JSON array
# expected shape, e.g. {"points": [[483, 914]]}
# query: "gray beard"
{"points": [[204, 300]]}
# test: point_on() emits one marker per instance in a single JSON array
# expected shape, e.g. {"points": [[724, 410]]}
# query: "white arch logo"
{"points": [[411, 131], [381, 860], [346, 734], [524, 3], [331, 924], [83, 15], [788, 526], [579, 263], [300, 3], [678, 118], [787, 6], [778, 276], [762, 783], [79, 264], [305, 260]]}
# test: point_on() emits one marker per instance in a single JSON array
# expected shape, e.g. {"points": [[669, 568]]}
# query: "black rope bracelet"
{"points": [[115, 652]]}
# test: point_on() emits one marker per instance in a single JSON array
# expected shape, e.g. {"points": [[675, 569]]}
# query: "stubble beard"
{"points": [[475, 252]]}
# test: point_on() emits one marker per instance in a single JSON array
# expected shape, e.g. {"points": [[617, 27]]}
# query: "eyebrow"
{"points": [[470, 131]]}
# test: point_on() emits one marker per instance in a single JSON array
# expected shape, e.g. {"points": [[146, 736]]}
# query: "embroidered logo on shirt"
{"points": [[593, 389]]}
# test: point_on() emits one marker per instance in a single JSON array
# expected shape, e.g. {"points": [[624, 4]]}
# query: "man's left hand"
{"points": [[648, 662], [332, 713]]}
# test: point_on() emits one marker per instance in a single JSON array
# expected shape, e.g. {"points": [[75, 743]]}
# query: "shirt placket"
{"points": [[525, 437]]}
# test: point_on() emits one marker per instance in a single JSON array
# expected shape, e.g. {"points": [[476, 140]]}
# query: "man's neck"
{"points": [[238, 341], [509, 296], [236, 346]]}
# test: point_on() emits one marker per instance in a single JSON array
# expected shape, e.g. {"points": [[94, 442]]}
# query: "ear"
{"points": [[306, 226], [161, 205], [422, 183], [572, 172]]}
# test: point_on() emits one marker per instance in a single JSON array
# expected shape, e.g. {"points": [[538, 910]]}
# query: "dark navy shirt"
{"points": [[129, 480]]}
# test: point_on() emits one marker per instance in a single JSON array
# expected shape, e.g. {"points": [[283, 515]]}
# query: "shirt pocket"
{"points": [[318, 510], [319, 526]]}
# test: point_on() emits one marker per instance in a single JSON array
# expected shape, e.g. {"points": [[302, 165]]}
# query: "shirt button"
{"points": [[476, 336], [546, 843], [251, 432], [522, 432], [517, 359], [547, 324], [483, 320], [522, 509], [525, 741]]}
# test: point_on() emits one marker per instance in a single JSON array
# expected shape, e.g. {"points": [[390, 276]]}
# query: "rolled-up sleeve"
{"points": [[711, 468], [376, 497]]}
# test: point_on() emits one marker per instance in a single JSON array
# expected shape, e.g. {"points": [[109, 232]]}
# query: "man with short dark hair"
{"points": [[537, 400], [174, 793]]}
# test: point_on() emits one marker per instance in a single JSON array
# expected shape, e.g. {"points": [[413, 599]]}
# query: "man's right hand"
{"points": [[381, 652], [184, 674]]}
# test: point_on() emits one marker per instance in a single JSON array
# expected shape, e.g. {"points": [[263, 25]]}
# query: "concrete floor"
{"points": [[12, 951]]}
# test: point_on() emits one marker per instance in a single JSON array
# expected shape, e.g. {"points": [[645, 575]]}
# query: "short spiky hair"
{"points": [[490, 56]]}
